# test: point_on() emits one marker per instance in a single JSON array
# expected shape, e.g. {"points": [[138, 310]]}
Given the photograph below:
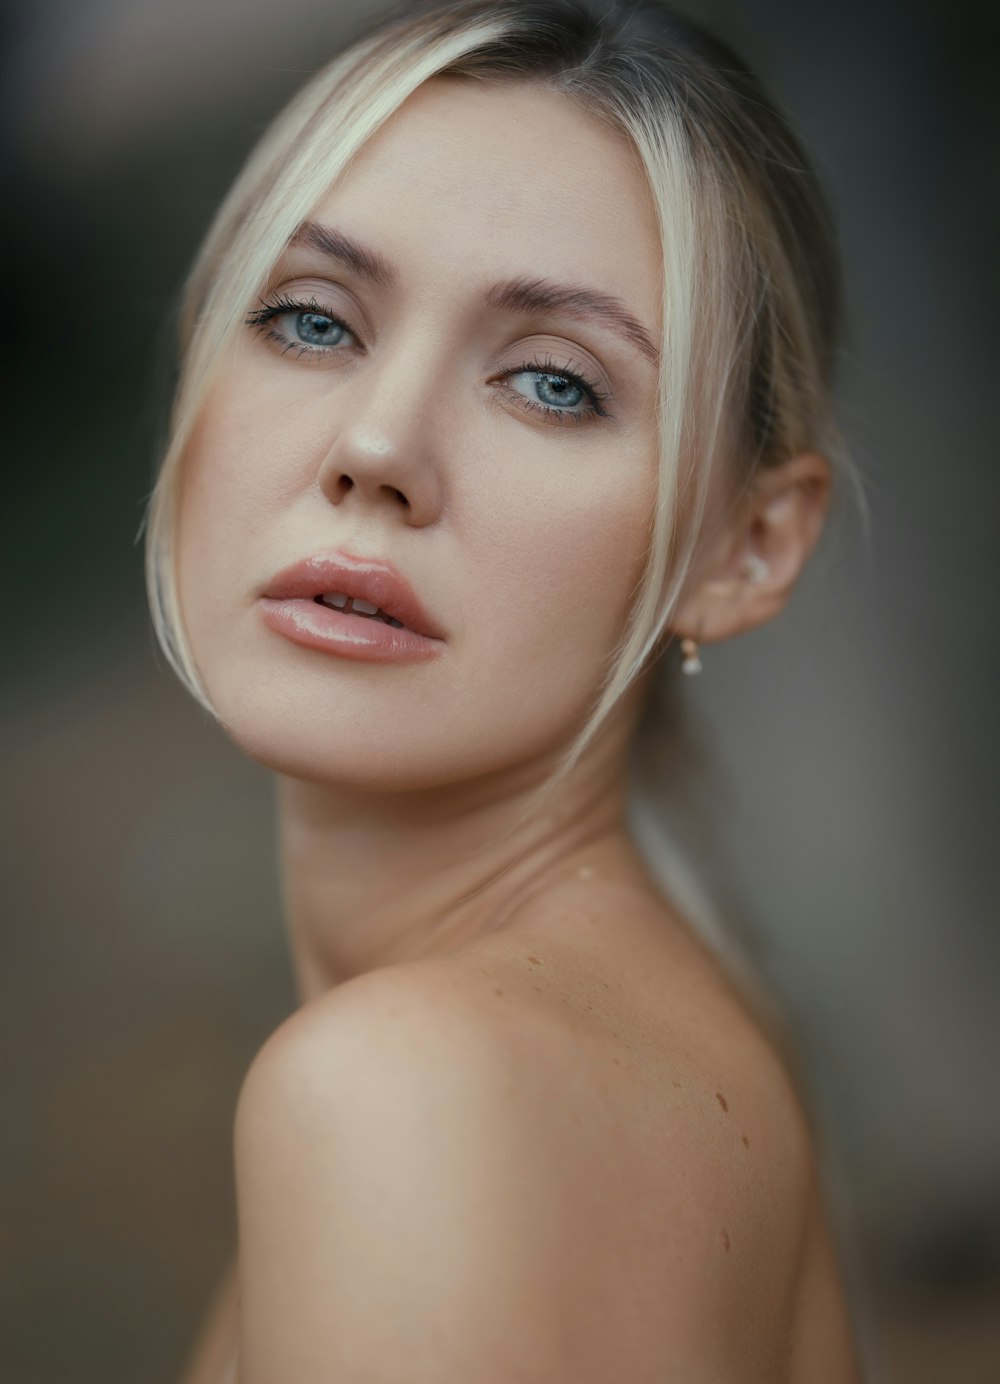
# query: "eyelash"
{"points": [[260, 320]]}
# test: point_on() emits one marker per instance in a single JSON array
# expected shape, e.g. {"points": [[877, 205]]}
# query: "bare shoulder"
{"points": [[707, 1128], [591, 1142], [413, 1198]]}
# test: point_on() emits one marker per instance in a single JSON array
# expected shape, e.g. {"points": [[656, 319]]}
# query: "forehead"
{"points": [[476, 178]]}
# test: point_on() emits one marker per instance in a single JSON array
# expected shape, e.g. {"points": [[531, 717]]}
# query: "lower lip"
{"points": [[317, 626]]}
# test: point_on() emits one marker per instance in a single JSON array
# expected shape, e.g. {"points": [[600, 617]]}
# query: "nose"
{"points": [[382, 456]]}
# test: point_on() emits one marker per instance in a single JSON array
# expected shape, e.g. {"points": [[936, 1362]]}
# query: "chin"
{"points": [[323, 740], [354, 733], [369, 727]]}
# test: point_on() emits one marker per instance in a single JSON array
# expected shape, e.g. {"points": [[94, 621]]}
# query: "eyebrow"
{"points": [[512, 295]]}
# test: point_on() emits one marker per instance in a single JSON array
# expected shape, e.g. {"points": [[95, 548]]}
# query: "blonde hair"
{"points": [[750, 304]]}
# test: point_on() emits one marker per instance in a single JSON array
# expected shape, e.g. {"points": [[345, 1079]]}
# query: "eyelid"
{"points": [[563, 356], [284, 300], [304, 293], [557, 415]]}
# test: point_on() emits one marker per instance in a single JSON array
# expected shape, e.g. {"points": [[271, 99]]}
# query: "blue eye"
{"points": [[557, 390], [306, 328], [316, 329], [557, 393]]}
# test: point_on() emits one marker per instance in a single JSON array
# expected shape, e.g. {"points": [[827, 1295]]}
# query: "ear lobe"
{"points": [[770, 540]]}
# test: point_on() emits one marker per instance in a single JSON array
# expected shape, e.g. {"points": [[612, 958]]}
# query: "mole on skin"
{"points": [[721, 1099], [725, 1242]]}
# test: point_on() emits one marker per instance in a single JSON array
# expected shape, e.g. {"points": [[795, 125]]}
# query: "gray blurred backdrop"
{"points": [[854, 743]]}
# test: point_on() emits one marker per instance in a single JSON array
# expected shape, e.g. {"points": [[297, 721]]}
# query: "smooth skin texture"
{"points": [[521, 1127]]}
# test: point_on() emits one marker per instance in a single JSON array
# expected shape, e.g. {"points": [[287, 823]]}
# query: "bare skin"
{"points": [[649, 1004], [401, 795]]}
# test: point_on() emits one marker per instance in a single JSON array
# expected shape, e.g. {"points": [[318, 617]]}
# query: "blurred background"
{"points": [[852, 746]]}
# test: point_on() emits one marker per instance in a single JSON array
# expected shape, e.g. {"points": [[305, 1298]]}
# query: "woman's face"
{"points": [[496, 447]]}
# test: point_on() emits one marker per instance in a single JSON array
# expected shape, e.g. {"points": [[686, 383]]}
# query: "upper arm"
{"points": [[213, 1347], [399, 1217], [418, 1200]]}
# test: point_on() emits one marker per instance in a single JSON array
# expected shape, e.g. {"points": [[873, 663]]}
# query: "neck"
{"points": [[371, 879]]}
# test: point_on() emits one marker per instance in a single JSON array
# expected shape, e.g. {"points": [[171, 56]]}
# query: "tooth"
{"points": [[365, 607], [335, 598]]}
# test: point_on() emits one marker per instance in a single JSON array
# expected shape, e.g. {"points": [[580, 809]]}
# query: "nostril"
{"points": [[345, 483]]}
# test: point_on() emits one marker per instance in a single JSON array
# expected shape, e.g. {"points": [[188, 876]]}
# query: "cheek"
{"points": [[235, 477], [240, 466], [557, 575]]}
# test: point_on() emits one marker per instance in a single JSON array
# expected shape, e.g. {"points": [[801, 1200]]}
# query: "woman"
{"points": [[506, 372]]}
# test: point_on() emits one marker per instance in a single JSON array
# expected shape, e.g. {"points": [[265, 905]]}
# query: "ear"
{"points": [[747, 573]]}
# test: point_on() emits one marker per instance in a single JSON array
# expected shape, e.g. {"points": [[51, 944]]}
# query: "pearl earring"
{"points": [[691, 662]]}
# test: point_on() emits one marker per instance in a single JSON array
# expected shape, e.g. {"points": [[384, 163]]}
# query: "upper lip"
{"points": [[369, 578]]}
